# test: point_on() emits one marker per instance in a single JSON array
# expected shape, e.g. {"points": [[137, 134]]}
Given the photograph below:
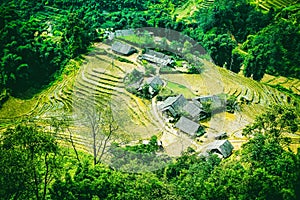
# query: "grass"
{"points": [[178, 63], [139, 40], [180, 89]]}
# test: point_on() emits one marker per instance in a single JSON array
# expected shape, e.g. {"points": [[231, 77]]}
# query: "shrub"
{"points": [[124, 60], [149, 70]]}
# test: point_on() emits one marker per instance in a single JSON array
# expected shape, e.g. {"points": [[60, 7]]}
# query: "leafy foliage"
{"points": [[30, 159], [265, 167]]}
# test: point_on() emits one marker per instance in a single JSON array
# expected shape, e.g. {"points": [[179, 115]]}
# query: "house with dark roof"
{"points": [[180, 105], [157, 58], [221, 147], [173, 104], [122, 48], [188, 126], [192, 110], [154, 82]]}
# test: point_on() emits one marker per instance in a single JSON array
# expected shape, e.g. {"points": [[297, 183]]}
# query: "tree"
{"points": [[236, 61], [101, 126], [30, 159], [101, 182], [265, 167], [273, 166], [270, 51], [220, 47], [75, 38]]}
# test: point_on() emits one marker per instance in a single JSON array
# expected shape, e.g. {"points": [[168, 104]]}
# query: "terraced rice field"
{"points": [[101, 76], [190, 7], [254, 96], [275, 4], [291, 84]]}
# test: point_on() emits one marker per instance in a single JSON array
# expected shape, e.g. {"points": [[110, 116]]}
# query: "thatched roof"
{"points": [[223, 147], [122, 48], [157, 58], [187, 126]]}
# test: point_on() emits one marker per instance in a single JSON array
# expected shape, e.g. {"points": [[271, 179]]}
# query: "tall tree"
{"points": [[29, 162], [101, 125]]}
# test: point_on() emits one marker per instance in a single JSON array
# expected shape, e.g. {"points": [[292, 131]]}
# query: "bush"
{"points": [[167, 70], [195, 69], [165, 93], [133, 77], [124, 60], [149, 70]]}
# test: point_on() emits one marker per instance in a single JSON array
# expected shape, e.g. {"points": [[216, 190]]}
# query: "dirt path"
{"points": [[174, 142]]}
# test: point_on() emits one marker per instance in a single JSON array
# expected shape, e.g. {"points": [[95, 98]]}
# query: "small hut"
{"points": [[187, 126], [221, 147]]}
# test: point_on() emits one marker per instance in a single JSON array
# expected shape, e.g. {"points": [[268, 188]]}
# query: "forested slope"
{"points": [[39, 37]]}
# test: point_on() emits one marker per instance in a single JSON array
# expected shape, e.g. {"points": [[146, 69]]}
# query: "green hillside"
{"points": [[80, 117]]}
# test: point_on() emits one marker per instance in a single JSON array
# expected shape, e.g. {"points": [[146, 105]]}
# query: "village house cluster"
{"points": [[184, 113]]}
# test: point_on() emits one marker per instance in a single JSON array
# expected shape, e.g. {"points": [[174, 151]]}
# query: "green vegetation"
{"points": [[40, 39], [179, 89], [195, 69], [149, 70], [225, 24], [34, 166], [165, 93], [133, 77], [124, 60]]}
